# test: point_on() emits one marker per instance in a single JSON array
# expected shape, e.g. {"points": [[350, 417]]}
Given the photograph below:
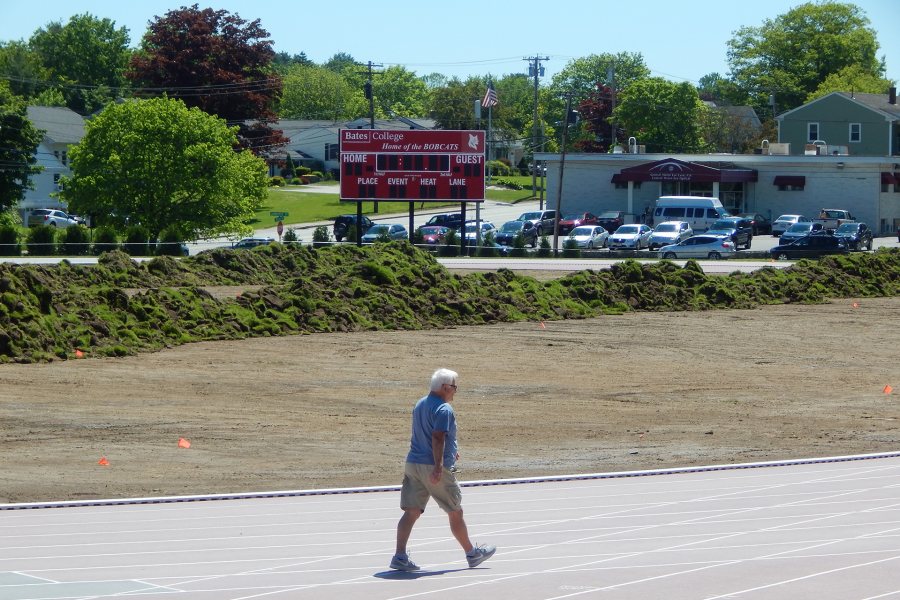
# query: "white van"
{"points": [[699, 211]]}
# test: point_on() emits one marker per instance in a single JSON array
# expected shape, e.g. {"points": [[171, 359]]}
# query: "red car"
{"points": [[433, 234], [570, 222]]}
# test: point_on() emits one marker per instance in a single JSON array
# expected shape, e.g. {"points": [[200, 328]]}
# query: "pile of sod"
{"points": [[120, 307]]}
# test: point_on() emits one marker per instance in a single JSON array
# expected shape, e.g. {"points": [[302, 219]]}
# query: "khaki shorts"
{"points": [[417, 488]]}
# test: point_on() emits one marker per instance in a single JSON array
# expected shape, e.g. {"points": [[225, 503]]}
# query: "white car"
{"points": [[784, 222], [701, 246], [589, 236], [471, 230], [670, 232], [633, 237], [51, 217]]}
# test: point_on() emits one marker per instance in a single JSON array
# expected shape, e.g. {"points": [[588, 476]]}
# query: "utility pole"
{"points": [[562, 166], [370, 96], [535, 70], [611, 82]]}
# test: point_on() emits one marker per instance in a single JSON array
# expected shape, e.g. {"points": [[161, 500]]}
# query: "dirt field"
{"points": [[616, 393]]}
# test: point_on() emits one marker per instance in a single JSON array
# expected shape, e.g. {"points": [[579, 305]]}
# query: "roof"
{"points": [[875, 102], [61, 125]]}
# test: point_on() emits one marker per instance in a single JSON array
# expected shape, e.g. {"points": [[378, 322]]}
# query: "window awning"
{"points": [[888, 178], [672, 169], [791, 180], [618, 178]]}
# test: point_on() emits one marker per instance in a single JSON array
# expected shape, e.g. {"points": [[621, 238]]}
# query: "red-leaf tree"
{"points": [[217, 62], [595, 113]]}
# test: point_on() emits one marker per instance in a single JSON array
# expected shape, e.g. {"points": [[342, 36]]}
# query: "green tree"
{"points": [[207, 189], [23, 69], [19, 141], [790, 56], [399, 92], [86, 57], [453, 106], [215, 61], [312, 92], [851, 79], [582, 75], [662, 115]]}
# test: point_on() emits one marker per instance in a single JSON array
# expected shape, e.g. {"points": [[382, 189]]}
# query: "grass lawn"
{"points": [[307, 207]]}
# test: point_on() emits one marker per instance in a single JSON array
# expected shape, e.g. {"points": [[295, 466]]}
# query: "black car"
{"points": [[761, 224], [811, 246], [611, 220], [740, 230], [507, 233], [343, 223], [857, 235], [449, 220]]}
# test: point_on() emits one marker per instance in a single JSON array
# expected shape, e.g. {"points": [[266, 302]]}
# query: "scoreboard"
{"points": [[412, 165]]}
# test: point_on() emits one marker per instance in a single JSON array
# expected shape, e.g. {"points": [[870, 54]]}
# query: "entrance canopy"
{"points": [[672, 169]]}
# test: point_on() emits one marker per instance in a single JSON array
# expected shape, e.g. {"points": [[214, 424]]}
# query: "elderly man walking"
{"points": [[430, 472]]}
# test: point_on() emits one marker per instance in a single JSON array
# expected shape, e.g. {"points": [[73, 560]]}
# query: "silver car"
{"points": [[784, 222], [633, 237], [799, 230], [589, 236], [670, 232], [391, 231], [701, 246]]}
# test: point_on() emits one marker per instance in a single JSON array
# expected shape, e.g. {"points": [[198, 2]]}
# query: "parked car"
{"points": [[506, 233], [393, 231], [857, 235], [669, 232], [50, 217], [472, 230], [252, 242], [800, 230], [433, 234], [811, 246], [738, 229], [612, 219], [543, 220], [539, 169], [761, 223], [632, 237], [701, 246], [569, 222], [449, 220], [343, 223], [589, 236], [784, 222]]}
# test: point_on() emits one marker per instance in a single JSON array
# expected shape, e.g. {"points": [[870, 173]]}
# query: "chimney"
{"points": [[892, 95]]}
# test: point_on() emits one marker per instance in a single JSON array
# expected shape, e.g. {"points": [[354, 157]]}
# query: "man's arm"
{"points": [[438, 439]]}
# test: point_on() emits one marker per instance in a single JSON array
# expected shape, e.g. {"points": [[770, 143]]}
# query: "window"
{"points": [[812, 131], [332, 151], [855, 132]]}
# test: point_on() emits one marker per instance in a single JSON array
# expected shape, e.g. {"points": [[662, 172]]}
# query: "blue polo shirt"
{"points": [[431, 414]]}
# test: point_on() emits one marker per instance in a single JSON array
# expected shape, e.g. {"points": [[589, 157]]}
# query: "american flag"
{"points": [[490, 96]]}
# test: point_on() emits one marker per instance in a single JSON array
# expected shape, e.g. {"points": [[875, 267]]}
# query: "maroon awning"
{"points": [[888, 178], [672, 169], [791, 180]]}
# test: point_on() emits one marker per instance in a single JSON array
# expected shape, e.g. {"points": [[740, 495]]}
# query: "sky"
{"points": [[680, 41]]}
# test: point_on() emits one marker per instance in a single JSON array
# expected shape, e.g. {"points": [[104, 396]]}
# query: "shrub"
{"points": [[450, 247], [297, 181], [75, 241], [544, 247], [170, 240], [105, 240], [137, 241], [41, 240], [570, 249], [10, 244], [508, 183], [498, 168], [518, 246], [320, 236], [276, 181], [290, 235]]}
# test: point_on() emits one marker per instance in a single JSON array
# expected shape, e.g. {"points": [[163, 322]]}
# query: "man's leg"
{"points": [[405, 527], [459, 529]]}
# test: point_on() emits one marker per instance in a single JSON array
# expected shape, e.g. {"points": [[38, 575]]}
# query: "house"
{"points": [[62, 129], [843, 123]]}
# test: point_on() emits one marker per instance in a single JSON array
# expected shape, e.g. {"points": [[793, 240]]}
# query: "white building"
{"points": [[62, 129]]}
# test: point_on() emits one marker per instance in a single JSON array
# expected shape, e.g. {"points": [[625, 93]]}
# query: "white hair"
{"points": [[442, 376]]}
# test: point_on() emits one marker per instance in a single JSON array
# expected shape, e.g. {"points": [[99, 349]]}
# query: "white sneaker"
{"points": [[403, 564], [480, 554]]}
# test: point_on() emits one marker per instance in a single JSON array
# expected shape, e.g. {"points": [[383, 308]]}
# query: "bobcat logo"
{"points": [[473, 142]]}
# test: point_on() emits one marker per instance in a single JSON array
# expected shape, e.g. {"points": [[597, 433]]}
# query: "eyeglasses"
{"points": [[453, 385]]}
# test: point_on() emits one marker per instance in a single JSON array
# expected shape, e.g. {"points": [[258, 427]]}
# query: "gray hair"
{"points": [[442, 376]]}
